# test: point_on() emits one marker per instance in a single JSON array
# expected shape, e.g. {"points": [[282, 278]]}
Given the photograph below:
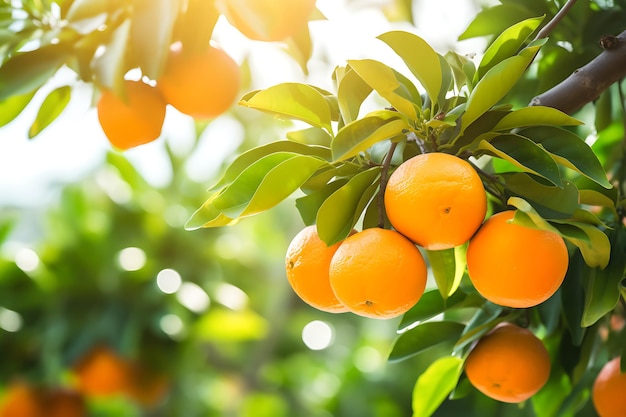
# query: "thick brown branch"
{"points": [[588, 82]]}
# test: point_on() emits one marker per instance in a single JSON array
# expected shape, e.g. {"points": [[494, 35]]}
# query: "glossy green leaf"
{"points": [[194, 26], [292, 101], [432, 304], [549, 200], [208, 216], [535, 116], [422, 337], [300, 47], [266, 183], [250, 156], [389, 83], [309, 205], [494, 85], [525, 154], [570, 151], [573, 297], [359, 135], [602, 289], [420, 58], [507, 44], [11, 107], [351, 92], [458, 63], [310, 136], [595, 198], [592, 242], [494, 20], [341, 210], [52, 106], [151, 34], [86, 16], [331, 172], [435, 384], [26, 72], [448, 267], [111, 66], [483, 320]]}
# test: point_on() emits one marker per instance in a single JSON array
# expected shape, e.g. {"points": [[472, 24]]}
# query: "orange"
{"points": [[134, 120], [435, 199], [378, 273], [201, 85], [307, 263], [509, 364], [21, 400], [516, 266], [64, 403], [609, 389], [268, 20], [102, 372]]}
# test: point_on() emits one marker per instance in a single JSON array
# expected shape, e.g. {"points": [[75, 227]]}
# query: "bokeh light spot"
{"points": [[10, 320], [317, 335], [26, 259], [169, 281], [231, 296], [193, 297], [131, 259]]}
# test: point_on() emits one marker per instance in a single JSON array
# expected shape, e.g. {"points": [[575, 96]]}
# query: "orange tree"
{"points": [[516, 114]]}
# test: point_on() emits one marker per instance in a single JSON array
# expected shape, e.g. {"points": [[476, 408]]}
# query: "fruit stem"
{"points": [[384, 178]]}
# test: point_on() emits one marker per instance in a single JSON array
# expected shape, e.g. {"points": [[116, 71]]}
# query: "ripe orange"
{"points": [[509, 364], [102, 372], [307, 262], [134, 120], [21, 400], [609, 389], [378, 273], [201, 85], [513, 265], [268, 20], [435, 199]]}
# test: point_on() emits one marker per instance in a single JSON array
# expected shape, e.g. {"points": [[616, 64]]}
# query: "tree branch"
{"points": [[545, 31], [589, 81]]}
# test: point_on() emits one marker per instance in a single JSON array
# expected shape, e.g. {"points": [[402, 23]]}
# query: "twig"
{"points": [[384, 178], [545, 31]]}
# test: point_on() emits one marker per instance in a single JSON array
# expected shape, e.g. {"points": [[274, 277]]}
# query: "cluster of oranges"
{"points": [[202, 85], [437, 201], [101, 373]]}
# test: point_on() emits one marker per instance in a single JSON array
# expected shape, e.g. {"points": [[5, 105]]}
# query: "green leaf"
{"points": [[208, 216], [570, 151], [602, 289], [525, 154], [535, 116], [422, 337], [266, 183], [435, 384], [592, 242], [26, 72], [250, 156], [194, 27], [483, 320], [432, 304], [549, 200], [86, 16], [507, 44], [495, 20], [50, 109], [420, 58], [341, 210], [111, 66], [494, 85], [310, 136], [448, 267], [151, 34], [293, 101], [351, 92], [359, 135], [11, 107], [389, 83], [573, 297], [309, 205]]}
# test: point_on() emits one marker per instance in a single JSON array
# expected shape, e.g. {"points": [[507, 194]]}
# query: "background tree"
{"points": [[116, 269]]}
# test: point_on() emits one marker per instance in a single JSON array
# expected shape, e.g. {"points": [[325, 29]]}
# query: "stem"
{"points": [[384, 178], [545, 31]]}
